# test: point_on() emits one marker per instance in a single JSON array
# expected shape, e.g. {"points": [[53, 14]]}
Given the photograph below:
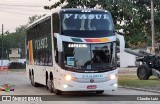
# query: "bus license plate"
{"points": [[91, 87]]}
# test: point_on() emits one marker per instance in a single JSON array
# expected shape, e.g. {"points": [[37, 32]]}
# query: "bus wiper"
{"points": [[72, 67], [69, 66]]}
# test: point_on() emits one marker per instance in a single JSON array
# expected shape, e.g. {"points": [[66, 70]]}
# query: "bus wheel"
{"points": [[56, 92], [143, 72], [32, 81], [100, 92], [49, 85]]}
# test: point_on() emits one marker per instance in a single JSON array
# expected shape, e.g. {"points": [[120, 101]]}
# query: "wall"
{"points": [[5, 62], [127, 59]]}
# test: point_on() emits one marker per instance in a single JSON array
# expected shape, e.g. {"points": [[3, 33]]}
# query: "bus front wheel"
{"points": [[55, 91], [49, 85]]}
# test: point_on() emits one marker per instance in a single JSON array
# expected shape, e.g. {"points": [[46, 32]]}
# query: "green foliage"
{"points": [[15, 39], [33, 18], [130, 80]]}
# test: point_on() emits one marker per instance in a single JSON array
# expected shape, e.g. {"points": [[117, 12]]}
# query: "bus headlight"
{"points": [[112, 76], [68, 77]]}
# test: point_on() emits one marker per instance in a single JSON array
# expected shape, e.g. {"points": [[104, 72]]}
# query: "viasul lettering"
{"points": [[41, 43], [92, 76], [87, 16]]}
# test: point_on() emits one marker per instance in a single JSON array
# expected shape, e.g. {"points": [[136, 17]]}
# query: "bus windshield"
{"points": [[87, 21], [89, 57]]}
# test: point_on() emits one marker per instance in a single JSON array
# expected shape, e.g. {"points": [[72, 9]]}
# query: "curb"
{"points": [[140, 89]]}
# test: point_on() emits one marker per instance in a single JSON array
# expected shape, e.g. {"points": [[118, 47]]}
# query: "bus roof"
{"points": [[82, 10], [39, 21], [63, 10]]}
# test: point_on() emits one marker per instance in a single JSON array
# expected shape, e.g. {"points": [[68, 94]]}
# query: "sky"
{"points": [[14, 13]]}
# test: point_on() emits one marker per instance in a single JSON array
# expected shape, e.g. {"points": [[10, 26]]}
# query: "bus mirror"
{"points": [[59, 42]]}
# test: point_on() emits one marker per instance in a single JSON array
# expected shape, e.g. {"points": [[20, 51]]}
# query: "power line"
{"points": [[17, 9], [14, 20], [4, 11], [18, 13], [21, 5]]}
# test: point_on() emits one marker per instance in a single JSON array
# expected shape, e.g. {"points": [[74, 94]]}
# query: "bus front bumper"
{"points": [[75, 86]]}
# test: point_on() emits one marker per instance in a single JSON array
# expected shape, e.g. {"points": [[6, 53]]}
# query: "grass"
{"points": [[133, 81], [17, 70]]}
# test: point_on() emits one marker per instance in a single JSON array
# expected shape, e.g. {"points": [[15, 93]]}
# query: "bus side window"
{"points": [[41, 58], [46, 62], [35, 57], [50, 62]]}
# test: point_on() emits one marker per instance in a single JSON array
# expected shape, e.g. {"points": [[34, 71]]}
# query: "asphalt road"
{"points": [[23, 87]]}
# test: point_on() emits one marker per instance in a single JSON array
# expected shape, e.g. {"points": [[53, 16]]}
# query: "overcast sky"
{"points": [[14, 13]]}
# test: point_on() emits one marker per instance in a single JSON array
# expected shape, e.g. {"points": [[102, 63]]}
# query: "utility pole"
{"points": [[2, 50], [152, 27]]}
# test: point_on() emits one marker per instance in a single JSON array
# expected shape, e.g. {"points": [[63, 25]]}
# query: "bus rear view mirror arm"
{"points": [[59, 41]]}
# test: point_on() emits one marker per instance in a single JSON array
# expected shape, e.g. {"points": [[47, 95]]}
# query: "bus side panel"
{"points": [[39, 72], [58, 76]]}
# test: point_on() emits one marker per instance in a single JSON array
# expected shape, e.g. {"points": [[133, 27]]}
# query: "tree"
{"points": [[16, 39], [34, 18]]}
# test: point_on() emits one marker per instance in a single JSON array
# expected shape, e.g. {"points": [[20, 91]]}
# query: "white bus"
{"points": [[72, 50]]}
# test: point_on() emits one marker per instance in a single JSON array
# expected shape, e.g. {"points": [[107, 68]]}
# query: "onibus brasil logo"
{"points": [[7, 87]]}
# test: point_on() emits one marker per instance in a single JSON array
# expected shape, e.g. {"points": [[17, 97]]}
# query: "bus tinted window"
{"points": [[87, 21], [43, 58], [39, 30]]}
